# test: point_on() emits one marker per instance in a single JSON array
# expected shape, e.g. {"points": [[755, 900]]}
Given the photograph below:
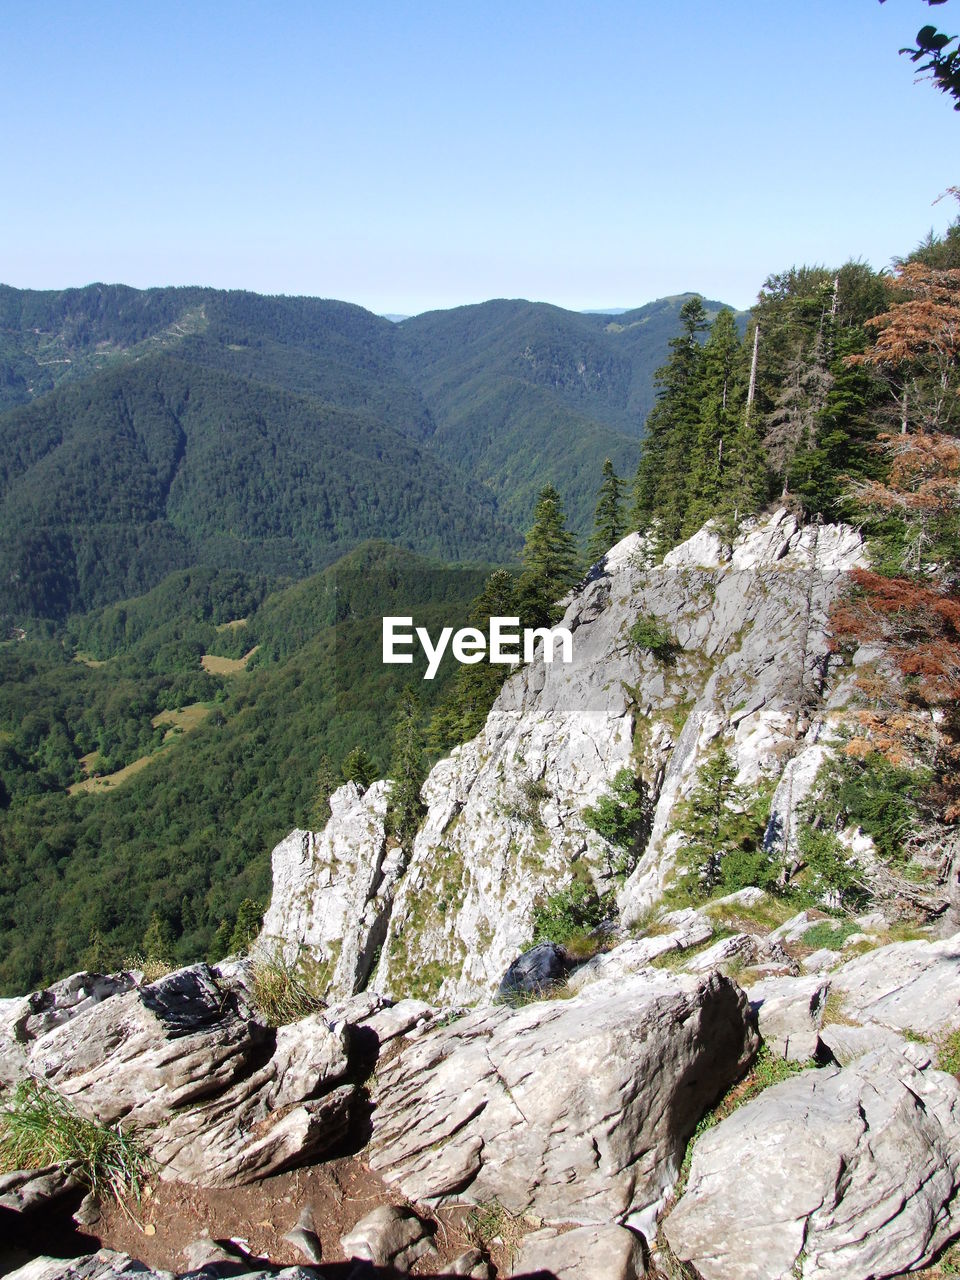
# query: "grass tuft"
{"points": [[39, 1127], [491, 1224], [281, 992], [948, 1053]]}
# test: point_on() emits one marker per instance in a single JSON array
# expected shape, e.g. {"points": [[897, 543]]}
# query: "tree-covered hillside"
{"points": [[146, 431], [186, 837], [108, 484]]}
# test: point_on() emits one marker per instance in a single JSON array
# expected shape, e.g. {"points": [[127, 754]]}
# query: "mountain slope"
{"points": [[187, 837], [147, 431], [524, 393], [107, 484]]}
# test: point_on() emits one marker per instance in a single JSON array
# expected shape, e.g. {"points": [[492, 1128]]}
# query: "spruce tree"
{"points": [[324, 787], [463, 712], [660, 491], [721, 831], [608, 523], [549, 557], [722, 402], [359, 768], [406, 769]]}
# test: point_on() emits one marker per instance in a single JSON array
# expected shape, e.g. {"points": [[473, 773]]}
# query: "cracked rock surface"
{"points": [[577, 1110], [841, 1174]]}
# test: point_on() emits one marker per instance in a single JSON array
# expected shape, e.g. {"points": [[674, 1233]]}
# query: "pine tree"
{"points": [[549, 557], [359, 768], [324, 787], [247, 926], [721, 832], [406, 769], [158, 940], [661, 485], [722, 401], [463, 712], [608, 522]]}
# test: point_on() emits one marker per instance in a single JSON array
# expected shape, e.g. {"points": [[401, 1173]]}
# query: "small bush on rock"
{"points": [[566, 916], [649, 633], [624, 816]]}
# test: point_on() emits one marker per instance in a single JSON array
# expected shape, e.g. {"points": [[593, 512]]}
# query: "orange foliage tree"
{"points": [[918, 344], [912, 618]]}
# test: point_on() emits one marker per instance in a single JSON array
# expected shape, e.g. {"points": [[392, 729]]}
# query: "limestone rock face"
{"points": [[216, 1097], [840, 1175], [504, 822], [577, 1110], [912, 986], [332, 892], [504, 812]]}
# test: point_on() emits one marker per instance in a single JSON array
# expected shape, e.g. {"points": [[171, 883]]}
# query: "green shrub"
{"points": [[829, 933], [649, 633], [624, 816], [39, 1127], [869, 792], [831, 869], [570, 913]]}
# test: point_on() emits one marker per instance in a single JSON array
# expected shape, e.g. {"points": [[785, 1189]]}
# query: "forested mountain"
{"points": [[107, 484], [526, 393], [147, 431], [187, 837]]}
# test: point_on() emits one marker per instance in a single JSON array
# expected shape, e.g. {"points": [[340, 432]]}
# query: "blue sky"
{"points": [[410, 155]]}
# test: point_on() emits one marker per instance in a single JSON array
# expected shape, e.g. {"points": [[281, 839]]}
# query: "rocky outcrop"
{"points": [[215, 1096], [839, 1175], [332, 892], [913, 986], [504, 823], [577, 1110]]}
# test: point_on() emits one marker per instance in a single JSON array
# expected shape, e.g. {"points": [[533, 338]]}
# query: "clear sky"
{"points": [[408, 155]]}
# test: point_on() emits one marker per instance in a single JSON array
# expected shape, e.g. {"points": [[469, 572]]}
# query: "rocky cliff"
{"points": [[504, 828]]}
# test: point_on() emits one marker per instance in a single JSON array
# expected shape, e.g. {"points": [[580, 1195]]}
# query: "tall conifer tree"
{"points": [[608, 522], [662, 479], [549, 557], [407, 768]]}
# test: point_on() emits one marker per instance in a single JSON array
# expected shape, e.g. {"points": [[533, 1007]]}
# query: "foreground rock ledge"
{"points": [[576, 1110], [840, 1175]]}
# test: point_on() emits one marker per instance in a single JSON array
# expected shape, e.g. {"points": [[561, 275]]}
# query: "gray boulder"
{"points": [[577, 1110], [586, 1253], [790, 1013], [913, 986], [389, 1236], [833, 1175]]}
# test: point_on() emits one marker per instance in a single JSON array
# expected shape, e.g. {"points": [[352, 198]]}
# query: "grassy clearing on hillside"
{"points": [[183, 719], [111, 780], [216, 666], [180, 722], [89, 661]]}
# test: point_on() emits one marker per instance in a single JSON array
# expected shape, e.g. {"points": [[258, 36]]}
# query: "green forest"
{"points": [[207, 508]]}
